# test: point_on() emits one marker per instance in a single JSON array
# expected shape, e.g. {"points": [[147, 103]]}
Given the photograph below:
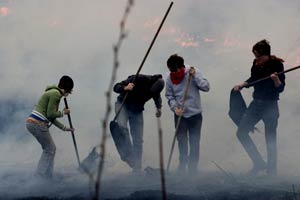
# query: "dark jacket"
{"points": [[266, 90], [140, 94]]}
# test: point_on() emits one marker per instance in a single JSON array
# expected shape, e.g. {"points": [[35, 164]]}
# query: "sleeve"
{"points": [[251, 78], [52, 108], [119, 87], [157, 100], [59, 125], [281, 87], [201, 82], [170, 96]]}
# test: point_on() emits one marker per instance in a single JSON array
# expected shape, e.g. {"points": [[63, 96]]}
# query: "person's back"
{"points": [[51, 97], [142, 91], [139, 90]]}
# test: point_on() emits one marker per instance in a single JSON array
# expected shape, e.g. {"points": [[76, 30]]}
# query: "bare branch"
{"points": [[116, 48]]}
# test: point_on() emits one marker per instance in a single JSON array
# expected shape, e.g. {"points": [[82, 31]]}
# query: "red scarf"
{"points": [[177, 77]]}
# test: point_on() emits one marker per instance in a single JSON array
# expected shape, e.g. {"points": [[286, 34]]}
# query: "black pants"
{"points": [[189, 131], [268, 112]]}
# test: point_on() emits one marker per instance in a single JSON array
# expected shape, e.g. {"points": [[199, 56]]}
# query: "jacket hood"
{"points": [[50, 87]]}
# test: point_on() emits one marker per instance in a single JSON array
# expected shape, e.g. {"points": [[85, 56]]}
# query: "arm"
{"points": [[157, 100], [279, 80], [200, 81], [59, 125], [53, 113], [249, 80], [170, 96], [120, 87], [240, 86], [52, 108]]}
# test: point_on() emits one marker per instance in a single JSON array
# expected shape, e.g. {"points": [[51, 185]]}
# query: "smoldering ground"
{"points": [[42, 40]]}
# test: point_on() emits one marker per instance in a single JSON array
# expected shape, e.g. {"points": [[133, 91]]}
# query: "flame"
{"points": [[4, 11], [186, 40], [227, 43], [209, 40], [231, 42]]}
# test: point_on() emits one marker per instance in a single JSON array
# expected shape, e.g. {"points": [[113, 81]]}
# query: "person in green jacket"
{"points": [[43, 116]]}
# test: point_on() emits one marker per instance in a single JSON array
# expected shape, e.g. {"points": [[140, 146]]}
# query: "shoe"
{"points": [[256, 169], [150, 171]]}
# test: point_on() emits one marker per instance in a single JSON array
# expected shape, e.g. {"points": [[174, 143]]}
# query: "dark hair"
{"points": [[66, 83], [262, 47], [175, 62]]}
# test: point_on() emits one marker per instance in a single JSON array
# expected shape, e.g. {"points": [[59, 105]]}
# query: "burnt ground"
{"points": [[206, 186]]}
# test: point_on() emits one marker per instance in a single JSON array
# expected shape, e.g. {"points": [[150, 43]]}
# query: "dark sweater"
{"points": [[266, 90], [140, 94]]}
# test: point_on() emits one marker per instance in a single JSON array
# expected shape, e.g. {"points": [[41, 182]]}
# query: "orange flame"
{"points": [[186, 40], [4, 11], [231, 42], [209, 40], [228, 43]]}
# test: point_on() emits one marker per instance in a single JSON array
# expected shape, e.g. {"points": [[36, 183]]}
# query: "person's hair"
{"points": [[66, 83], [175, 62], [262, 47]]}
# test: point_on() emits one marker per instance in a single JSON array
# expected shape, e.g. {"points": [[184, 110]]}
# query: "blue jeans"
{"points": [[268, 112], [46, 162], [136, 123], [189, 131]]}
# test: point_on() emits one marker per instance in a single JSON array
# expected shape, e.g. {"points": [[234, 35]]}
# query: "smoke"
{"points": [[43, 40]]}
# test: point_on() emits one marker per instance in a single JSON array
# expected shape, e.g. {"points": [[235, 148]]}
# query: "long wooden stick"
{"points": [[145, 57], [72, 132], [265, 78], [108, 94], [161, 160], [178, 122], [116, 49]]}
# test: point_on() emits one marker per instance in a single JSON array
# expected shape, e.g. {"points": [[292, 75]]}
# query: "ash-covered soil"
{"points": [[73, 184]]}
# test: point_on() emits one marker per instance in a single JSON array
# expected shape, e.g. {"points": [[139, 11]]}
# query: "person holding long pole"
{"points": [[43, 115], [264, 106], [144, 88], [189, 128]]}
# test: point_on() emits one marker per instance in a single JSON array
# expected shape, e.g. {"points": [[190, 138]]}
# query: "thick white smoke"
{"points": [[42, 40]]}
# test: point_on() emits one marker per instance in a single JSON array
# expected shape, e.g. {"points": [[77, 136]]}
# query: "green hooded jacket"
{"points": [[48, 105]]}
